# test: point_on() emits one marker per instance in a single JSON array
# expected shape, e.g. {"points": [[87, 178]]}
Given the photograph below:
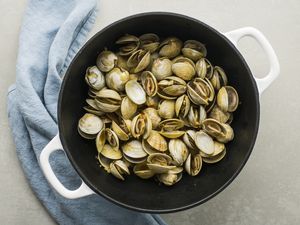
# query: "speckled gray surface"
{"points": [[267, 191]]}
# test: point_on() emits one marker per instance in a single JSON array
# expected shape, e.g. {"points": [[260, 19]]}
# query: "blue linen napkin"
{"points": [[51, 34]]}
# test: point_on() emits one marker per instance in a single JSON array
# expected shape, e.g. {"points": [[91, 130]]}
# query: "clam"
{"points": [[204, 68], [219, 153], [108, 100], [219, 78], [204, 142], [159, 163], [222, 132], [106, 61], [194, 50], [184, 68], [110, 152], [228, 99], [94, 78], [178, 151], [200, 91], [170, 128], [135, 92], [153, 116], [92, 107], [141, 126], [166, 109], [149, 83], [161, 68], [130, 44], [182, 106], [122, 62], [149, 42], [133, 151], [89, 126], [217, 114], [170, 47], [143, 171], [152, 101], [116, 79], [107, 136], [193, 164], [189, 140], [138, 61], [128, 108], [92, 92], [122, 129], [155, 143], [104, 162], [196, 115], [169, 179], [118, 168], [171, 87]]}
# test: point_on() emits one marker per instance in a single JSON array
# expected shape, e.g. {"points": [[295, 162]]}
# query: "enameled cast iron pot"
{"points": [[147, 195]]}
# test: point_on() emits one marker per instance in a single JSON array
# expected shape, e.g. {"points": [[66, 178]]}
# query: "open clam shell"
{"points": [[161, 68], [178, 151], [149, 83], [135, 92], [184, 68], [204, 142], [228, 99], [134, 150], [143, 171], [128, 108], [89, 126], [94, 78], [193, 164]]}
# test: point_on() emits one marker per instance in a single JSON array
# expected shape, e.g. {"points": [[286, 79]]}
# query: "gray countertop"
{"points": [[267, 191]]}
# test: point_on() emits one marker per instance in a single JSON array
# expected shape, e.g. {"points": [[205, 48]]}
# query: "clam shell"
{"points": [[143, 171], [134, 150], [166, 109], [128, 108], [157, 142], [178, 151], [170, 47], [215, 159], [135, 92], [193, 164], [106, 61], [104, 162], [149, 83], [161, 68], [228, 99], [116, 79], [111, 153], [182, 106], [153, 116], [94, 78], [204, 143], [90, 124], [169, 179]]}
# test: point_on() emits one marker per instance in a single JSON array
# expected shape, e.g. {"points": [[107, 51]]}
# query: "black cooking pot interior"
{"points": [[147, 195]]}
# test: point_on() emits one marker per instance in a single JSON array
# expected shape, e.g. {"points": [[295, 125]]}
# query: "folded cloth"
{"points": [[51, 34]]}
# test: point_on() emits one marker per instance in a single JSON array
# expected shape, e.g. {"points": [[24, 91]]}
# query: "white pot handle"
{"points": [[262, 83], [53, 146]]}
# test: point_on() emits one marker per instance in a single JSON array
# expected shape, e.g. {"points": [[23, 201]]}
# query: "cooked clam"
{"points": [[218, 114], [128, 108], [118, 169], [92, 107], [182, 106], [143, 171], [194, 50], [178, 151], [166, 109], [141, 126], [193, 164], [104, 162], [222, 132], [108, 100], [122, 129], [94, 78], [170, 128], [184, 68], [159, 163], [89, 126], [134, 150], [228, 99], [106, 61], [169, 178], [152, 101], [116, 79], [171, 87], [149, 42], [138, 61], [149, 83], [189, 139], [135, 92], [161, 68], [170, 47], [196, 115], [130, 44], [110, 152], [155, 143], [219, 78], [200, 91], [107, 136], [204, 68], [204, 142], [153, 116]]}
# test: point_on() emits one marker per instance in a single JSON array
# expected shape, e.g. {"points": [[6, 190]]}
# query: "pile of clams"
{"points": [[157, 108]]}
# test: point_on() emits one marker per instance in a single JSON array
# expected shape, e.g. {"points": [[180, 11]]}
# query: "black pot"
{"points": [[147, 195]]}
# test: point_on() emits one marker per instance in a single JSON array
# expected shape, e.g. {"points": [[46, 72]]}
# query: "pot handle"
{"points": [[262, 83], [52, 146]]}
